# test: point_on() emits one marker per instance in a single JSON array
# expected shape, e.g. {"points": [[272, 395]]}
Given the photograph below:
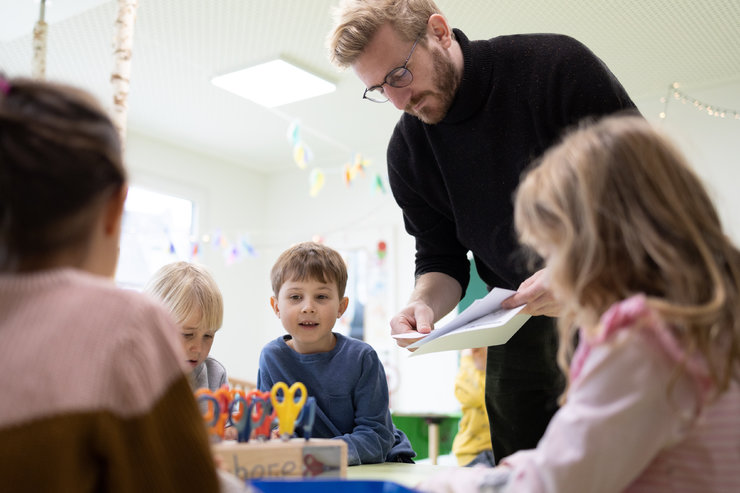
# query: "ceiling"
{"points": [[179, 45]]}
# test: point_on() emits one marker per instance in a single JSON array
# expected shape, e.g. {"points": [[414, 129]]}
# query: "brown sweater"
{"points": [[93, 392]]}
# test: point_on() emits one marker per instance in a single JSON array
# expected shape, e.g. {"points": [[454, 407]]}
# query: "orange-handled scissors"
{"points": [[217, 410], [287, 408]]}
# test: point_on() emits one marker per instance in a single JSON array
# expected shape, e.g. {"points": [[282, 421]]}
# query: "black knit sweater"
{"points": [[455, 180]]}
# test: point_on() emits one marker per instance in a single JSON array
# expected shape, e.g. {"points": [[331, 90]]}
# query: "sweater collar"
{"points": [[475, 85]]}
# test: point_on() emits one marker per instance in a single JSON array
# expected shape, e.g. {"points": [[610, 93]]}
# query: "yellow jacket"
{"points": [[474, 435]]}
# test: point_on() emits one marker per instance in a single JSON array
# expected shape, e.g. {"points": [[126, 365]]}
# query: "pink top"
{"points": [[621, 430]]}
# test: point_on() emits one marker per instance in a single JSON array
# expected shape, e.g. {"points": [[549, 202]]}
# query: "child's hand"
{"points": [[479, 357], [230, 433]]}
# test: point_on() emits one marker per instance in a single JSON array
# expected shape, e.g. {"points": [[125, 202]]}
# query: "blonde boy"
{"points": [[193, 297]]}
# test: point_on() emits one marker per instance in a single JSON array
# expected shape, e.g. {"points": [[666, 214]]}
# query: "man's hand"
{"points": [[535, 293], [417, 317], [435, 294]]}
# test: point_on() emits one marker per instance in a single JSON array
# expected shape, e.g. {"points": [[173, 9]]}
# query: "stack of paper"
{"points": [[482, 324]]}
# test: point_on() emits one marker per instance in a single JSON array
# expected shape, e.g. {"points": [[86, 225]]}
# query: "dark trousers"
{"points": [[523, 383]]}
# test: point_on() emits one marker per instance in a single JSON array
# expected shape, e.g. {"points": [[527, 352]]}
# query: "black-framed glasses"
{"points": [[398, 77]]}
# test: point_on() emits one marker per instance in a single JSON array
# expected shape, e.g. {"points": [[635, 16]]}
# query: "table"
{"points": [[433, 421], [408, 475]]}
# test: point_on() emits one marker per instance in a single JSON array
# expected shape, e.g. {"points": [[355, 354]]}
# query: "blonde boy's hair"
{"points": [[617, 211], [309, 260], [185, 287], [357, 21]]}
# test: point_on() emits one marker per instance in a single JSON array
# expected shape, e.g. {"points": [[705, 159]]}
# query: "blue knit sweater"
{"points": [[351, 394]]}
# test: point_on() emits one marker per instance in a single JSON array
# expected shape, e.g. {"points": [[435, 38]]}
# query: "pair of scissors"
{"points": [[287, 408], [251, 413], [261, 413], [217, 409]]}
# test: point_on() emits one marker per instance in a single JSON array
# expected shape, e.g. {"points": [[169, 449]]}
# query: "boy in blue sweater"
{"points": [[344, 375]]}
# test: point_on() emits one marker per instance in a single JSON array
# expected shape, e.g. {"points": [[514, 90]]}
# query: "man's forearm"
{"points": [[438, 291]]}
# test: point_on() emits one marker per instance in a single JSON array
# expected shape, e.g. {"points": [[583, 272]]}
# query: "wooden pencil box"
{"points": [[297, 457]]}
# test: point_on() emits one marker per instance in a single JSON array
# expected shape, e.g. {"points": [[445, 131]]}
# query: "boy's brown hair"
{"points": [[309, 260]]}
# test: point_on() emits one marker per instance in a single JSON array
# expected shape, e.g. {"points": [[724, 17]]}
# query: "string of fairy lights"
{"points": [[675, 93]]}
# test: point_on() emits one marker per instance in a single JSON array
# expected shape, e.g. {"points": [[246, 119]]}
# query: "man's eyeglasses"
{"points": [[398, 77]]}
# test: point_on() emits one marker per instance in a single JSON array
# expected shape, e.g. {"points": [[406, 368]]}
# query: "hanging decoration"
{"points": [[123, 42], [378, 185], [674, 92], [40, 30], [316, 179], [382, 250], [355, 168], [302, 155]]}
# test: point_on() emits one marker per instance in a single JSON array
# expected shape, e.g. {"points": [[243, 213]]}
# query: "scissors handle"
{"points": [[306, 417], [212, 409], [240, 419], [288, 408]]}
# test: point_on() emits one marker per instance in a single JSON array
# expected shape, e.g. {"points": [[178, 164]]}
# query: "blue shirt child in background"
{"points": [[344, 375]]}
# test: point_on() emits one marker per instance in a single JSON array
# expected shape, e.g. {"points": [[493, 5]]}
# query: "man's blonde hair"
{"points": [[309, 260], [185, 287], [619, 212], [357, 21]]}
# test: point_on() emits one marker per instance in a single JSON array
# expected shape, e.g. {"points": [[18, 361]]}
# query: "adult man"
{"points": [[475, 115]]}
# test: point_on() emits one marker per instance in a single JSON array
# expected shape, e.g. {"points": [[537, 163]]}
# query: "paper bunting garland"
{"points": [[351, 171], [232, 252]]}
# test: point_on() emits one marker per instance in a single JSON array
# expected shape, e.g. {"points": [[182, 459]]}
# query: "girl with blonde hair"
{"points": [[648, 280]]}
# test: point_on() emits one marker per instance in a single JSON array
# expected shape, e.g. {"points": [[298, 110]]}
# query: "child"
{"points": [[344, 375], [472, 444], [193, 297], [94, 394], [636, 255]]}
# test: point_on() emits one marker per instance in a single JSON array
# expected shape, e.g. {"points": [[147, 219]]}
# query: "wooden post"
{"points": [[38, 65], [121, 77]]}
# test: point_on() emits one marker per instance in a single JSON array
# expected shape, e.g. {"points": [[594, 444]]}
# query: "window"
{"points": [[157, 229]]}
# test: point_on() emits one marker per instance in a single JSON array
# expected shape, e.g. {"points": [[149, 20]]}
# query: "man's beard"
{"points": [[440, 99]]}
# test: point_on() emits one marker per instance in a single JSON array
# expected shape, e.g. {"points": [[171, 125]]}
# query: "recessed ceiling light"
{"points": [[273, 83]]}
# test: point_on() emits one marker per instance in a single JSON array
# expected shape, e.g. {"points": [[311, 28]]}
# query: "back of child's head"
{"points": [[60, 159], [616, 210], [309, 261], [186, 287]]}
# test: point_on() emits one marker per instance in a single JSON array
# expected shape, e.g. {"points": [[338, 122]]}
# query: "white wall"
{"points": [[277, 211], [711, 144]]}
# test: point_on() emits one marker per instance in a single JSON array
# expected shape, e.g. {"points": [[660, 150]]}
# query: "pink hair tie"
{"points": [[4, 85]]}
